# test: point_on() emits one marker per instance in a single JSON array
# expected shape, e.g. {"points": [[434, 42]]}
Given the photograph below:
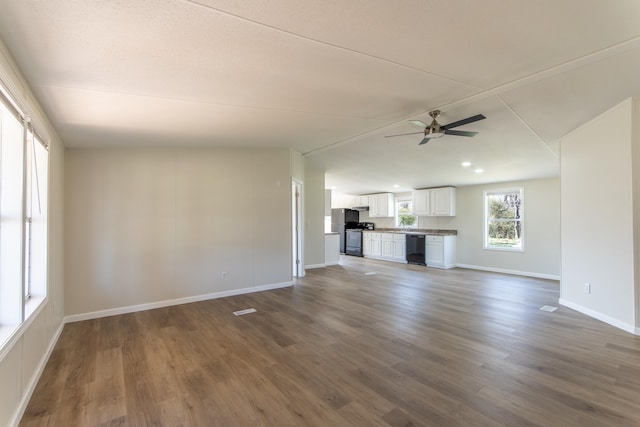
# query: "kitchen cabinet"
{"points": [[341, 201], [361, 200], [399, 243], [443, 201], [435, 202], [366, 244], [371, 244], [376, 247], [421, 203], [331, 248], [440, 251], [386, 246], [381, 205]]}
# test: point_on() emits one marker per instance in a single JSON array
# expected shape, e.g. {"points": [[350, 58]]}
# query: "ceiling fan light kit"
{"points": [[435, 130]]}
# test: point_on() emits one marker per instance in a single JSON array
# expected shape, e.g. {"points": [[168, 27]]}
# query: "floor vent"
{"points": [[548, 308], [247, 311]]}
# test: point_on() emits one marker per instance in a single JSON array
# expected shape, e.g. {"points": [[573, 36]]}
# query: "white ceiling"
{"points": [[332, 78]]}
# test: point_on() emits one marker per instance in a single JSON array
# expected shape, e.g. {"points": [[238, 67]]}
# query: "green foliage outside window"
{"points": [[504, 220], [405, 215]]}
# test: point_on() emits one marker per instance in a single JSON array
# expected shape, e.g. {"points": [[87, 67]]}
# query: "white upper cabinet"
{"points": [[421, 205], [341, 201], [443, 201], [435, 202], [381, 205], [361, 200]]}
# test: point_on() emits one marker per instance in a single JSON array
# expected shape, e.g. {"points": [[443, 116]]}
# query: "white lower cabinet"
{"points": [[371, 244], [399, 247], [386, 246], [366, 244], [440, 251], [376, 246]]}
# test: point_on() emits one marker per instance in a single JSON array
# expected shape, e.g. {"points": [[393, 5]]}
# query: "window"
{"points": [[503, 219], [404, 213], [23, 217]]}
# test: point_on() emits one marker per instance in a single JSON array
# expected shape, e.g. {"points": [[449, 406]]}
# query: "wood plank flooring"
{"points": [[406, 346]]}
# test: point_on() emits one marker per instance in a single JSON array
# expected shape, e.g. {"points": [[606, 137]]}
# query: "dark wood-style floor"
{"points": [[407, 346]]}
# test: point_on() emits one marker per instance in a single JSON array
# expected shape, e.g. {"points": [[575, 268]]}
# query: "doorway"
{"points": [[296, 229]]}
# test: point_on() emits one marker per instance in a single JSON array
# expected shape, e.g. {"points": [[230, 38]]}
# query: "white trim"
{"points": [[327, 264], [602, 317], [168, 303], [16, 331], [312, 266], [515, 272], [26, 397], [485, 240]]}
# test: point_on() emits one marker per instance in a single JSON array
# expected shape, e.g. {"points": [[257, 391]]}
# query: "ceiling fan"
{"points": [[435, 130]]}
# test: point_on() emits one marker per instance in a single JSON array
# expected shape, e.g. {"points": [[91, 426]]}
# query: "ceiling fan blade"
{"points": [[424, 141], [460, 133], [418, 123], [403, 134], [463, 121]]}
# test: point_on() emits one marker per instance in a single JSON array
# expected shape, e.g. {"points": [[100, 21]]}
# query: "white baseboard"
{"points": [[327, 264], [312, 266], [602, 317], [167, 303], [514, 272], [35, 378]]}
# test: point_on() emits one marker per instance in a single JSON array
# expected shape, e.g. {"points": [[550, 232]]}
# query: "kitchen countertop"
{"points": [[415, 230]]}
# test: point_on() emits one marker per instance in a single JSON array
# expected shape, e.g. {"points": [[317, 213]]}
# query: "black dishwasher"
{"points": [[415, 249]]}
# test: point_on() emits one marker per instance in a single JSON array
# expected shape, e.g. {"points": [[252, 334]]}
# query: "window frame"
{"points": [[399, 200], [25, 300], [486, 219]]}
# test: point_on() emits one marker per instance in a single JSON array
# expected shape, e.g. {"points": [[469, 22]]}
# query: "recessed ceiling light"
{"points": [[466, 164], [396, 186], [479, 170]]}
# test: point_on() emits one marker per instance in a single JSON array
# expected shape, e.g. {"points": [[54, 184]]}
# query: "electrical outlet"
{"points": [[224, 275], [587, 288]]}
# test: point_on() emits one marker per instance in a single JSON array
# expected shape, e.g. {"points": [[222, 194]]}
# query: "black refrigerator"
{"points": [[341, 221]]}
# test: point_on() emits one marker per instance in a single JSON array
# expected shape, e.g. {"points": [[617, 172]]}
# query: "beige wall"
{"points": [[21, 362], [146, 226], [597, 175], [541, 255], [313, 216]]}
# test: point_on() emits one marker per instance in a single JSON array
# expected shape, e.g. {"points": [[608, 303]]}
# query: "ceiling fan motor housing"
{"points": [[433, 130]]}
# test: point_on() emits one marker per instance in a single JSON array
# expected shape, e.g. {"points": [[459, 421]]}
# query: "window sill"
{"points": [[10, 334], [489, 248], [31, 306]]}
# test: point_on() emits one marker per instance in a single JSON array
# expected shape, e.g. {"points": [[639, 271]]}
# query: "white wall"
{"points": [[541, 256], [597, 175], [148, 226], [22, 362]]}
